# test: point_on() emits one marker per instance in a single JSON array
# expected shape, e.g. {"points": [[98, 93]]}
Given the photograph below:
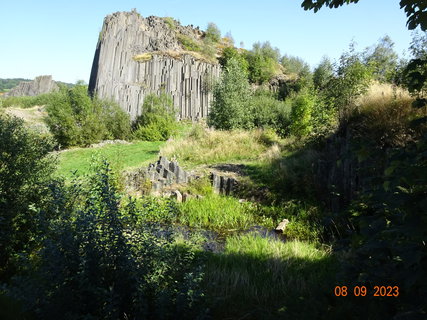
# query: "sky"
{"points": [[59, 37]]}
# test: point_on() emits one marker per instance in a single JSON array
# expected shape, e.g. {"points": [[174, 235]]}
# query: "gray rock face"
{"points": [[41, 84], [136, 56]]}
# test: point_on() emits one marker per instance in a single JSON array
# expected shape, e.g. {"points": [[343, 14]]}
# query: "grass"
{"points": [[143, 57], [220, 213], [204, 146], [120, 156], [260, 278]]}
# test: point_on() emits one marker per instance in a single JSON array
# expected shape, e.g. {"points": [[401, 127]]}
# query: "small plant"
{"points": [[189, 43], [170, 22]]}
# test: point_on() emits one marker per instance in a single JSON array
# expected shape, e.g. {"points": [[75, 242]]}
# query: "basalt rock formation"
{"points": [[41, 84], [136, 56]]}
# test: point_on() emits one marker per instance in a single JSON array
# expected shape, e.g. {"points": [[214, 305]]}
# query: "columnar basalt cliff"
{"points": [[136, 56], [40, 85]]}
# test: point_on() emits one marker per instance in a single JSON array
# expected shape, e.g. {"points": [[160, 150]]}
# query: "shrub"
{"points": [[97, 260], [25, 168], [76, 120], [212, 32], [229, 108], [268, 112], [158, 119], [189, 43], [302, 105]]}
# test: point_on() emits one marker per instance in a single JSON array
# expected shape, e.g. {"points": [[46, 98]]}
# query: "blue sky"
{"points": [[59, 37]]}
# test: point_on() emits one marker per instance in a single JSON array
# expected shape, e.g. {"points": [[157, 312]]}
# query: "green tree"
{"points": [[352, 79], [25, 168], [232, 53], [323, 73], [262, 61], [294, 65], [231, 94], [212, 32], [302, 106], [383, 59]]}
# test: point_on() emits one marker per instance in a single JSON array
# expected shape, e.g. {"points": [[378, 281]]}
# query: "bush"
{"points": [[212, 32], [99, 259], [76, 120], [302, 106], [158, 119], [268, 112], [231, 94], [25, 168]]}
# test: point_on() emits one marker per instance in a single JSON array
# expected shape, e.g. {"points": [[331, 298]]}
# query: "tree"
{"points": [[212, 32], [294, 65], [302, 106], [415, 9], [262, 61], [323, 73], [383, 59], [231, 94]]}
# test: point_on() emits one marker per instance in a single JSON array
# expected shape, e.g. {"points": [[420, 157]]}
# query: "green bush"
{"points": [[77, 120], [96, 260], [302, 106], [188, 43], [25, 168], [268, 112], [158, 119], [212, 32]]}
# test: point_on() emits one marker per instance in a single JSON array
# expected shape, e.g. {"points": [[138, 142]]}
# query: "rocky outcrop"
{"points": [[41, 84], [136, 56], [158, 175]]}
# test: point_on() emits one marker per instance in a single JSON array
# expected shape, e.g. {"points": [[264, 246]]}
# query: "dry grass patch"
{"points": [[205, 146]]}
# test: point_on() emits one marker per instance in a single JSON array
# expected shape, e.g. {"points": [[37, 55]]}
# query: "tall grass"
{"points": [[220, 213], [204, 146], [260, 278]]}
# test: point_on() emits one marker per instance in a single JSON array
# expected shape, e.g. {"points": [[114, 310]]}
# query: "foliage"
{"points": [[27, 101], [352, 80], [229, 109], [323, 73], [189, 43], [76, 120], [414, 9], [294, 65], [96, 260], [170, 22], [6, 84], [383, 59], [25, 168], [212, 32], [263, 62], [268, 112], [302, 107], [158, 119], [232, 53]]}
